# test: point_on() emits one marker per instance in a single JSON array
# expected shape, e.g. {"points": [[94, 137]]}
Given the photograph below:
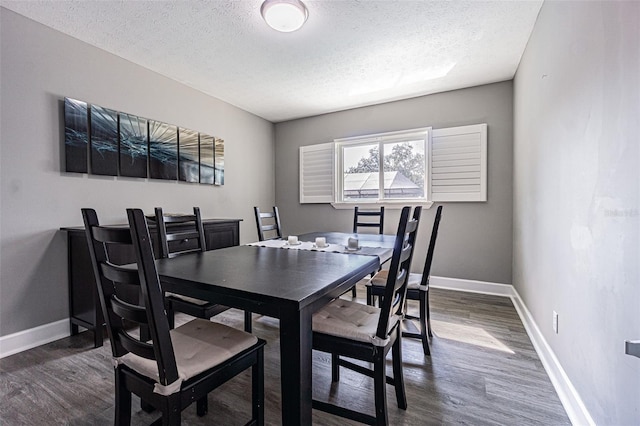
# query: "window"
{"points": [[384, 167], [419, 165]]}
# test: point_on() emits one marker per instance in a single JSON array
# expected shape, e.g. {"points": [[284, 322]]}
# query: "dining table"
{"points": [[286, 284]]}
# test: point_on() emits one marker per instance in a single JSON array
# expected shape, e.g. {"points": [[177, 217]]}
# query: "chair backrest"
{"points": [[426, 272], [268, 224], [377, 222], [177, 229], [395, 291], [114, 282]]}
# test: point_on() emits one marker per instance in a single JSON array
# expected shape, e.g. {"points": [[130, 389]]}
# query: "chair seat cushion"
{"points": [[380, 280], [187, 299], [198, 346], [351, 320]]}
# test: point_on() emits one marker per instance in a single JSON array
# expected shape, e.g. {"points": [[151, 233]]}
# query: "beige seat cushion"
{"points": [[380, 280], [198, 345], [187, 299], [351, 320]]}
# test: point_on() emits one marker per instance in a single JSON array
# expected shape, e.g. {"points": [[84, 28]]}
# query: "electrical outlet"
{"points": [[555, 322]]}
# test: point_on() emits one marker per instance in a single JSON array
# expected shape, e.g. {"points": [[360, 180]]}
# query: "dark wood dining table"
{"points": [[286, 284]]}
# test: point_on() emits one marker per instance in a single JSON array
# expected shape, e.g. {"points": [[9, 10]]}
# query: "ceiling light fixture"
{"points": [[284, 15]]}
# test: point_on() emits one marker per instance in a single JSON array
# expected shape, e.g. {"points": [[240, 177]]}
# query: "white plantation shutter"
{"points": [[317, 173], [458, 164]]}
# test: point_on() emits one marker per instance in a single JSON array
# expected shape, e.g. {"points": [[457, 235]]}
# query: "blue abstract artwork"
{"points": [[133, 146], [188, 152], [76, 136], [104, 141], [206, 159], [219, 162], [163, 151]]}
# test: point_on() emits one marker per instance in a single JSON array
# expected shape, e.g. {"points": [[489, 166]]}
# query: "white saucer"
{"points": [[295, 244], [352, 249], [320, 248]]}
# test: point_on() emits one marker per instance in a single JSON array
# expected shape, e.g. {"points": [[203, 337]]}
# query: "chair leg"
{"points": [[202, 406], [379, 384], [257, 389], [335, 367], [247, 321], [424, 323], [171, 415], [369, 296], [398, 375], [123, 401], [353, 292], [426, 298], [171, 315]]}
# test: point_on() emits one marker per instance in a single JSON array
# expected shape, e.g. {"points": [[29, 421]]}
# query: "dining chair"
{"points": [[345, 328], [359, 222], [376, 222], [175, 367], [268, 224], [417, 289], [178, 235]]}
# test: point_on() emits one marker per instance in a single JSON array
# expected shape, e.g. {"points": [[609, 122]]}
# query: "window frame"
{"points": [[381, 139]]}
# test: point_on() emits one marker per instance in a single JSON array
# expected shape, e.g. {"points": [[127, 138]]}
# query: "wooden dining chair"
{"points": [[349, 329], [376, 222], [175, 367], [179, 235], [417, 289], [360, 222], [268, 224]]}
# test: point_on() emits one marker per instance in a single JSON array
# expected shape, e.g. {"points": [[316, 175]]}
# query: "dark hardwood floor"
{"points": [[483, 371]]}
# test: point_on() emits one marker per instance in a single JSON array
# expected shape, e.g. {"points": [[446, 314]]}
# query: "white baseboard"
{"points": [[573, 405], [27, 339], [569, 397], [471, 286]]}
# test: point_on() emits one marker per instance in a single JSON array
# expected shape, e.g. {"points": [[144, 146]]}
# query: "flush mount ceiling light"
{"points": [[284, 15]]}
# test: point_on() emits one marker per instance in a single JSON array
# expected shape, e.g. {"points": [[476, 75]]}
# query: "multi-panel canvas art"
{"points": [[219, 162], [133, 146], [189, 159], [163, 150], [105, 142], [76, 135], [206, 159]]}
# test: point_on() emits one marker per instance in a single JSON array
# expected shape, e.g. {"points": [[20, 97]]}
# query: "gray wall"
{"points": [[39, 67], [475, 238], [576, 182]]}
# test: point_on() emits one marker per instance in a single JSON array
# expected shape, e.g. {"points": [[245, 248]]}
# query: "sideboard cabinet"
{"points": [[84, 304]]}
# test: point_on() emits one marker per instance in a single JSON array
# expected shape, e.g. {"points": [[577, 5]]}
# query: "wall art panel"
{"points": [[104, 141], [163, 150], [133, 146], [219, 162], [189, 159], [206, 159], [76, 135]]}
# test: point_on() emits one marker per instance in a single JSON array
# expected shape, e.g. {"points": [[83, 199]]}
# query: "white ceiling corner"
{"points": [[349, 53]]}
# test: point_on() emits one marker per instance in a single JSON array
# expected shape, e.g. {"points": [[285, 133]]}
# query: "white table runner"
{"points": [[383, 253]]}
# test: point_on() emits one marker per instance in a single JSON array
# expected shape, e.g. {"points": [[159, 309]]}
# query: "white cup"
{"points": [[321, 242], [352, 243], [292, 240]]}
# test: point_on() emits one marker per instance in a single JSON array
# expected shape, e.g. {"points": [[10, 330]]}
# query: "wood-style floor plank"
{"points": [[483, 371]]}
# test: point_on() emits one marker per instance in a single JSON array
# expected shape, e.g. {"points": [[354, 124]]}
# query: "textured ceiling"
{"points": [[348, 54]]}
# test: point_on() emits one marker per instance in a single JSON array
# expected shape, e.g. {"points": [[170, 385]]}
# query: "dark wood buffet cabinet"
{"points": [[84, 305]]}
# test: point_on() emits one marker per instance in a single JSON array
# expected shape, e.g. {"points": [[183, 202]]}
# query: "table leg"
{"points": [[295, 367]]}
